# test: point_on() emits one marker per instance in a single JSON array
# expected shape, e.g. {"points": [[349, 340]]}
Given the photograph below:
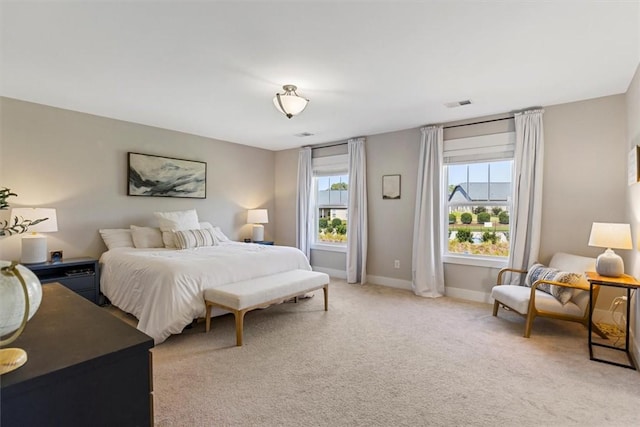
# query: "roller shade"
{"points": [[480, 148]]}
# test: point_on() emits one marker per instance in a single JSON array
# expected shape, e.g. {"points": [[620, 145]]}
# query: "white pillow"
{"points": [[146, 237], [116, 237], [216, 231], [176, 221], [186, 239]]}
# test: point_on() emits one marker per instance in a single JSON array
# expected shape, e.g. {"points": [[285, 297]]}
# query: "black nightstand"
{"points": [[81, 275]]}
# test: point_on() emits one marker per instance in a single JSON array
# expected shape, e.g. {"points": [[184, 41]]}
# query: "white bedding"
{"points": [[163, 287]]}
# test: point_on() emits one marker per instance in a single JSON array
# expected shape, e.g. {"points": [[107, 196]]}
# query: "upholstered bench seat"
{"points": [[247, 295]]}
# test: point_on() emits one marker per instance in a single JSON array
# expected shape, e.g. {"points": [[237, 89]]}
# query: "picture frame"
{"points": [[55, 256], [157, 176], [391, 187]]}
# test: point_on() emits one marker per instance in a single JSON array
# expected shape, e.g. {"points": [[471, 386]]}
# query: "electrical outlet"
{"points": [[396, 263]]}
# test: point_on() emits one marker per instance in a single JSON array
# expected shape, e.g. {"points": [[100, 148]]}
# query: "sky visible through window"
{"points": [[479, 172], [324, 183]]}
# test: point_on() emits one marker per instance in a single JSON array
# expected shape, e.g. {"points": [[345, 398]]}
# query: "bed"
{"points": [[163, 287]]}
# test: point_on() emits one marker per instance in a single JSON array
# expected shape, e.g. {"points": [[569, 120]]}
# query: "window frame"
{"points": [[482, 150], [335, 165]]}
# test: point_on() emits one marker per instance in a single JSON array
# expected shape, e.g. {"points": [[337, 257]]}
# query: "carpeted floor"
{"points": [[384, 357]]}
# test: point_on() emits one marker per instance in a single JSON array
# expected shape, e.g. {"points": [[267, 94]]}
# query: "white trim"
{"points": [[467, 294], [476, 260], [389, 282], [338, 274], [329, 248]]}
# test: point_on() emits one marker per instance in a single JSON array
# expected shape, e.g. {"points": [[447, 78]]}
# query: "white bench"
{"points": [[247, 295]]}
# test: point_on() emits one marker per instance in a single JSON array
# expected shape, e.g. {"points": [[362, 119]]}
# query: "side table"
{"points": [[625, 282], [81, 275]]}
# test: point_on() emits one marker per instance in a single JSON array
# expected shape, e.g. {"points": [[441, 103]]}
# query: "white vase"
{"points": [[12, 304]]}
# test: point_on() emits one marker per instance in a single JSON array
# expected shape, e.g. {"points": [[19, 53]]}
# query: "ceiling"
{"points": [[212, 68]]}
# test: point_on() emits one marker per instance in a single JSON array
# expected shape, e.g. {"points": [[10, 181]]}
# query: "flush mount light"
{"points": [[289, 103]]}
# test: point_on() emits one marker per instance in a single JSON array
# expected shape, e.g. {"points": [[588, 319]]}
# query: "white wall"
{"points": [[633, 202], [77, 163]]}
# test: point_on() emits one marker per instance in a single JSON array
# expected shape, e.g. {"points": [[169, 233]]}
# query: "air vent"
{"points": [[303, 134], [457, 103]]}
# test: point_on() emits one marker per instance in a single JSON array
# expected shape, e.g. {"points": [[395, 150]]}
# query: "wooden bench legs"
{"points": [[239, 314]]}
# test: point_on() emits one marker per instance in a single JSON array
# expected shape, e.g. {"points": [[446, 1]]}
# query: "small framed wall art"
{"points": [[158, 176], [390, 187]]}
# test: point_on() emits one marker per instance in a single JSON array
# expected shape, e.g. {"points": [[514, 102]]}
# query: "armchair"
{"points": [[531, 302]]}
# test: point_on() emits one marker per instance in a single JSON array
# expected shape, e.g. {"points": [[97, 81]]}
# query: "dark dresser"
{"points": [[85, 367]]}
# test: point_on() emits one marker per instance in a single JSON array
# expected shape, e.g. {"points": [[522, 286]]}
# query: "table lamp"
{"points": [[34, 245], [257, 217], [610, 236]]}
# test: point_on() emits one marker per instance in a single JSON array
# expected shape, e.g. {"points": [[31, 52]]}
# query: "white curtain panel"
{"points": [[427, 267], [527, 192], [357, 213], [304, 217]]}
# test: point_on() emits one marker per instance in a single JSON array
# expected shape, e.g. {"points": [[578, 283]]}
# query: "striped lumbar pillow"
{"points": [[186, 239]]}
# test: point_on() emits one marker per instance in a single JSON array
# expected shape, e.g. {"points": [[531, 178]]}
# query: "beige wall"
{"points": [[633, 202], [77, 163], [286, 187], [583, 182]]}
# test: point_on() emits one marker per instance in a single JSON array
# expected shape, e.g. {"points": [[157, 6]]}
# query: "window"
{"points": [[330, 189], [477, 174]]}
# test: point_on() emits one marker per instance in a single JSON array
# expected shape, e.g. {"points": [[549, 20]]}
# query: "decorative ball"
{"points": [[12, 298]]}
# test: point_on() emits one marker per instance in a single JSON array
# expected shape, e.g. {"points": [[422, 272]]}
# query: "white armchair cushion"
{"points": [[517, 298]]}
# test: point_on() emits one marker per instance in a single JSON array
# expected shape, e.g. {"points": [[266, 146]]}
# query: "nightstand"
{"points": [[81, 275], [264, 242], [625, 282]]}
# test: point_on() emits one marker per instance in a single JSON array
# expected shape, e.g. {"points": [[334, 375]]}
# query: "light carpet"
{"points": [[385, 357]]}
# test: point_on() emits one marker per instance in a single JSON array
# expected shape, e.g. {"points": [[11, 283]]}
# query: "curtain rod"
{"points": [[315, 147], [478, 123]]}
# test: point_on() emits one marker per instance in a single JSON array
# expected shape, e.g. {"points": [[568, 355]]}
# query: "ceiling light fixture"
{"points": [[289, 103]]}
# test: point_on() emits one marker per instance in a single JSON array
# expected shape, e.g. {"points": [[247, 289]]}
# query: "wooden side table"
{"points": [[625, 282]]}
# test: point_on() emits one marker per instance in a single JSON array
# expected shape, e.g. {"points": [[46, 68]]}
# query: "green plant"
{"points": [[490, 236], [335, 222], [323, 223], [464, 235], [18, 225], [452, 218], [479, 209], [341, 229], [466, 218], [496, 210], [483, 217], [5, 193], [503, 218]]}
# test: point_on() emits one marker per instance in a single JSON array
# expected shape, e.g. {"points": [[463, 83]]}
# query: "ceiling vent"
{"points": [[303, 134], [457, 103]]}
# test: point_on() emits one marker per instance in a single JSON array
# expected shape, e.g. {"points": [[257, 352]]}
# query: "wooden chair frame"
{"points": [[533, 312]]}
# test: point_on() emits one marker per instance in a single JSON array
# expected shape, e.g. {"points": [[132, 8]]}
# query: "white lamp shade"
{"points": [[257, 216], [48, 226], [610, 235], [293, 104]]}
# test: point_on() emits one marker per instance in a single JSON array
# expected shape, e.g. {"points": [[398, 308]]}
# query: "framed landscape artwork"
{"points": [[391, 186], [158, 176]]}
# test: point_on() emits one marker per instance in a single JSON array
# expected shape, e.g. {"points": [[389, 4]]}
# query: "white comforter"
{"points": [[163, 287]]}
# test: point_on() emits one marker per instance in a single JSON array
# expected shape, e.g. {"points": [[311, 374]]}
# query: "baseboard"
{"points": [[468, 295], [389, 282], [338, 274]]}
